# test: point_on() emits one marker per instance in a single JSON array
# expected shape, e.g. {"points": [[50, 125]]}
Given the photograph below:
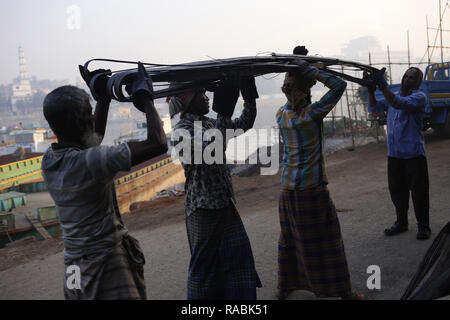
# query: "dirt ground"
{"points": [[29, 249], [358, 186], [147, 216]]}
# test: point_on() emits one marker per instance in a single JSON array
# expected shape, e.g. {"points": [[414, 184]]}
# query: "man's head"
{"points": [[300, 50], [412, 79], [193, 102], [200, 103], [69, 113], [297, 89]]}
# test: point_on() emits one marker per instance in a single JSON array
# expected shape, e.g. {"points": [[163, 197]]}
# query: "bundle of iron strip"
{"points": [[196, 75]]}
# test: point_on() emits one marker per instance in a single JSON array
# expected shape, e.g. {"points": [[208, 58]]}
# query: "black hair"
{"points": [[62, 107], [416, 85], [303, 84], [301, 50], [420, 77]]}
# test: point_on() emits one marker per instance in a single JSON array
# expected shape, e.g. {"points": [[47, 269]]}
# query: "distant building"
{"points": [[358, 50], [22, 88], [46, 85], [5, 98], [32, 140], [28, 139], [124, 112]]}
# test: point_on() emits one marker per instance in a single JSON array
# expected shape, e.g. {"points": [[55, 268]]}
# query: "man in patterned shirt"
{"points": [[221, 265], [311, 253]]}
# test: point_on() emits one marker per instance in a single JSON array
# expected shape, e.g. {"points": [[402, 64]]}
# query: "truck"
{"points": [[436, 86]]}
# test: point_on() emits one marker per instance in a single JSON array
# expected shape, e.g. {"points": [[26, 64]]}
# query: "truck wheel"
{"points": [[443, 130]]}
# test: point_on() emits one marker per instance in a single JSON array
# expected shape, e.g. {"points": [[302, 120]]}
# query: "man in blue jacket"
{"points": [[407, 163]]}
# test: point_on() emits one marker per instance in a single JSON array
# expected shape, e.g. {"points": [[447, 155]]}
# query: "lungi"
{"points": [[222, 265], [311, 253], [118, 275]]}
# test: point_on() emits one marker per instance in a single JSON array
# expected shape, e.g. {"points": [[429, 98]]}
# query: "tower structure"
{"points": [[22, 88]]}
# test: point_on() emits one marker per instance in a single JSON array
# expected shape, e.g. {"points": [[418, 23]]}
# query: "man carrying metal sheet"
{"points": [[221, 265], [311, 253], [102, 261]]}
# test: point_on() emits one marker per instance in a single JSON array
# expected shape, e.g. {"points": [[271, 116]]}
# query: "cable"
{"points": [[270, 78], [264, 53], [202, 73]]}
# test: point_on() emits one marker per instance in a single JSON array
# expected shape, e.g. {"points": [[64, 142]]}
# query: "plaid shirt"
{"points": [[303, 158], [209, 186]]}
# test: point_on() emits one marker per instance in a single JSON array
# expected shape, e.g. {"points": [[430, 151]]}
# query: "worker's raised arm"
{"points": [[101, 117], [372, 99], [96, 81], [321, 108], [247, 118], [416, 101], [370, 90], [375, 106], [141, 93], [382, 84]]}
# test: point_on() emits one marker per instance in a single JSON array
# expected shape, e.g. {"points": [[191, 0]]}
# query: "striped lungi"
{"points": [[116, 276], [222, 265], [311, 253]]}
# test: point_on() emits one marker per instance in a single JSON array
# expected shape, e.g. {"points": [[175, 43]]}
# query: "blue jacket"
{"points": [[404, 124]]}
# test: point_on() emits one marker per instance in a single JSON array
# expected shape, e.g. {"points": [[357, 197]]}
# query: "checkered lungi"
{"points": [[119, 275], [221, 265], [311, 253]]}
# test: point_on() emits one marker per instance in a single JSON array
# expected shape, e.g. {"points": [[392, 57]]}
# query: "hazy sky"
{"points": [[173, 31]]}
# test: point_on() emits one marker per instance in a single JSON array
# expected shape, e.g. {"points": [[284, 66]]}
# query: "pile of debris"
{"points": [[174, 191], [249, 170]]}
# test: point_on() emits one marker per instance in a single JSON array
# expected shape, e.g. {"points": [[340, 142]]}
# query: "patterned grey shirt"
{"points": [[81, 183], [208, 185]]}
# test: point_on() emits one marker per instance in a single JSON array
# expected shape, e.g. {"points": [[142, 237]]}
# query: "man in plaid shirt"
{"points": [[311, 253]]}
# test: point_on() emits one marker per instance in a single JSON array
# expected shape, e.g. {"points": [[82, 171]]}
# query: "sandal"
{"points": [[395, 229]]}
